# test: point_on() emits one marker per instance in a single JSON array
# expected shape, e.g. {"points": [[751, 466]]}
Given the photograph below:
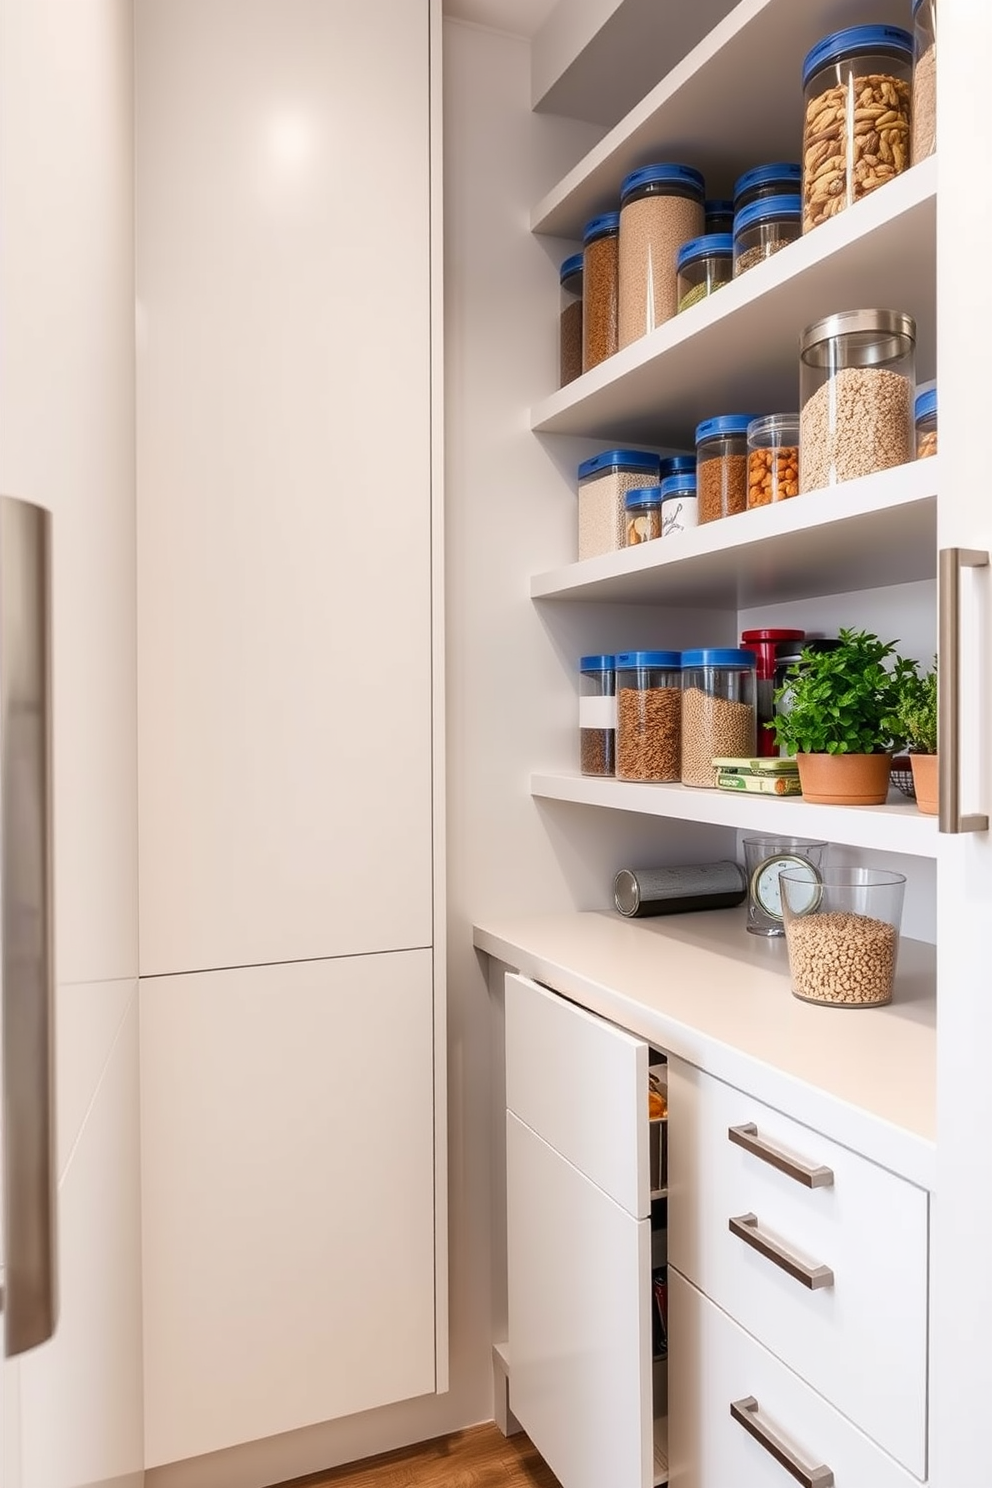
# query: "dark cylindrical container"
{"points": [[638, 892]]}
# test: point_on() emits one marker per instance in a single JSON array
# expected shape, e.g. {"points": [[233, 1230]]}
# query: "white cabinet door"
{"points": [[288, 1181], [284, 480]]}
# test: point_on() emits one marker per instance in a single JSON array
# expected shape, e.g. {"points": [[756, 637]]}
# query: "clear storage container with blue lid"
{"points": [[718, 710], [925, 412], [858, 88], [642, 515], [570, 320], [704, 265], [764, 227], [721, 465], [597, 714], [603, 482], [924, 133], [649, 715], [679, 503], [661, 206], [718, 216], [779, 178], [600, 288], [676, 465]]}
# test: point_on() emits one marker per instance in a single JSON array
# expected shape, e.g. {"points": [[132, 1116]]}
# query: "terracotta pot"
{"points": [[844, 779], [925, 780]]}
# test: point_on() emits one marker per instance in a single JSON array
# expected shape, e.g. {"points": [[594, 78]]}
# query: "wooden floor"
{"points": [[480, 1457]]}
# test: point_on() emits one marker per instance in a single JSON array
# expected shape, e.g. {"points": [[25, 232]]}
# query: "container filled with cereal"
{"points": [[718, 711], [842, 934], [926, 423], [924, 134], [721, 465], [600, 288], [570, 320], [764, 227], [661, 206], [704, 265], [604, 481], [772, 458], [597, 714], [642, 515], [858, 89], [780, 178], [649, 715], [857, 379]]}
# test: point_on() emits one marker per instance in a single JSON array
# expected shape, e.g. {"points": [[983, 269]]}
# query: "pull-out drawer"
{"points": [[816, 1251], [740, 1419]]}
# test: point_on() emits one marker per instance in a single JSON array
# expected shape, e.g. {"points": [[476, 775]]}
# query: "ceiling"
{"points": [[523, 17]]}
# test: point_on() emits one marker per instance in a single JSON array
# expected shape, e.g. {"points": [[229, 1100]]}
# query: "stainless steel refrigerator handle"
{"points": [[951, 562], [745, 1413], [26, 941]]}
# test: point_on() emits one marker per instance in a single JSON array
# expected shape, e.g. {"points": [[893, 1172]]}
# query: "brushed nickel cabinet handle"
{"points": [[745, 1413], [949, 815], [746, 1136], [745, 1227]]}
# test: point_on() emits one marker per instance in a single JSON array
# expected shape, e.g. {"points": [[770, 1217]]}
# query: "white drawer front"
{"points": [[720, 1365], [859, 1336], [582, 1085]]}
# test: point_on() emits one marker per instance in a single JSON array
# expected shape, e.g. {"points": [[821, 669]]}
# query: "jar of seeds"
{"points": [[718, 711], [857, 378], [570, 320], [764, 227], [703, 265], [924, 135], [604, 481], [661, 207], [721, 465], [597, 714], [649, 715], [926, 423], [600, 284]]}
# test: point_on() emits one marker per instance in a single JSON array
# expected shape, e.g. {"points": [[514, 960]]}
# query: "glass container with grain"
{"points": [[604, 481], [763, 228], [597, 714], [649, 715], [600, 288], [703, 266], [570, 320], [661, 207], [924, 134], [721, 465], [718, 711]]}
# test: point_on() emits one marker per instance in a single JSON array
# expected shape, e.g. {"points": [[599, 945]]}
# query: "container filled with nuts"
{"points": [[570, 320], [597, 714], [721, 465], [604, 481], [858, 87], [649, 715], [642, 515], [925, 410], [780, 178], [704, 265], [924, 135], [600, 288], [857, 380], [772, 458], [661, 206], [679, 503], [718, 711], [764, 227], [842, 934]]}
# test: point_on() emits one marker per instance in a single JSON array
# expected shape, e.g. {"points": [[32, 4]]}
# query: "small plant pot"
{"points": [[925, 781], [844, 779]]}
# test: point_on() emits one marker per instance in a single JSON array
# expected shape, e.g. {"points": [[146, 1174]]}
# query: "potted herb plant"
{"points": [[917, 716], [841, 718]]}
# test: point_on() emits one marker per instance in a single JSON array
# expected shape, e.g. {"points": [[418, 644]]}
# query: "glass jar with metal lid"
{"points": [[649, 715], [780, 178], [858, 87], [857, 378], [600, 288], [764, 227], [704, 265], [718, 717], [570, 320], [926, 423], [924, 133], [661, 207]]}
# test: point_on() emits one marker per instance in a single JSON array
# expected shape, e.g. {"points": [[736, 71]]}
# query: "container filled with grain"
{"points": [[923, 140], [649, 715], [600, 288], [703, 265], [718, 711], [858, 88], [679, 503], [642, 515], [604, 481], [772, 458], [925, 413], [721, 465], [661, 207], [718, 215], [597, 715], [763, 228], [779, 178], [842, 934], [570, 320], [857, 379]]}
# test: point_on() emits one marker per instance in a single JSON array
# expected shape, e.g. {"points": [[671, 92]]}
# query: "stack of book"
{"points": [[775, 776]]}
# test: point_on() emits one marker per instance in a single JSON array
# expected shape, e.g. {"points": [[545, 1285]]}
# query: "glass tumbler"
{"points": [[843, 934], [764, 859]]}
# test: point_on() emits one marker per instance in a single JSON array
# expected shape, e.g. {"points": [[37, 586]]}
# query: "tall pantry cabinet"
{"points": [[292, 1011]]}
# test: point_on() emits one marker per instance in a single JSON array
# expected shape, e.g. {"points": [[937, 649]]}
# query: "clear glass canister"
{"points": [[704, 265], [926, 423], [604, 481], [642, 515], [600, 288], [649, 715], [772, 459], [661, 206], [924, 133], [679, 503], [764, 227], [857, 378], [721, 465], [781, 178], [597, 714], [718, 216], [858, 88], [570, 320], [718, 712]]}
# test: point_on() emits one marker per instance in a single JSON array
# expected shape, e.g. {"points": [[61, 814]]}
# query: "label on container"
{"points": [[597, 712], [679, 513]]}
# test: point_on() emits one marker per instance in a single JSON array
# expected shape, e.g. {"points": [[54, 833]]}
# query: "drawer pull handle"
{"points": [[745, 1413], [745, 1227], [747, 1137]]}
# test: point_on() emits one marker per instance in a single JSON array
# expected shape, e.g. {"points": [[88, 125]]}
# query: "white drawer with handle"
{"points": [[740, 1419], [817, 1252]]}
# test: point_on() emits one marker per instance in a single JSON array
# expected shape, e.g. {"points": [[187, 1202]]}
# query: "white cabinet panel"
{"points": [[284, 480], [719, 1364], [579, 1290], [288, 1182]]}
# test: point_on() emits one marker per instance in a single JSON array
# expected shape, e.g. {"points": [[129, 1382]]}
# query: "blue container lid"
{"points": [[852, 40], [710, 657], [676, 465], [787, 171], [601, 226], [679, 485], [765, 209], [718, 207], [710, 245], [620, 459], [641, 497], [570, 267], [596, 663], [666, 174], [628, 659], [926, 403], [724, 423]]}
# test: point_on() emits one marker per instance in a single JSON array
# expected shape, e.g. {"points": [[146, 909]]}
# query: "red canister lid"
{"points": [[763, 642]]}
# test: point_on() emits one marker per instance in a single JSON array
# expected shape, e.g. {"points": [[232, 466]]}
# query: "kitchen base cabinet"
{"points": [[288, 1153]]}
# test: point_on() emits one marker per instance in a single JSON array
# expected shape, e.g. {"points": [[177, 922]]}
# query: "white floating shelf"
{"points": [[898, 827]]}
